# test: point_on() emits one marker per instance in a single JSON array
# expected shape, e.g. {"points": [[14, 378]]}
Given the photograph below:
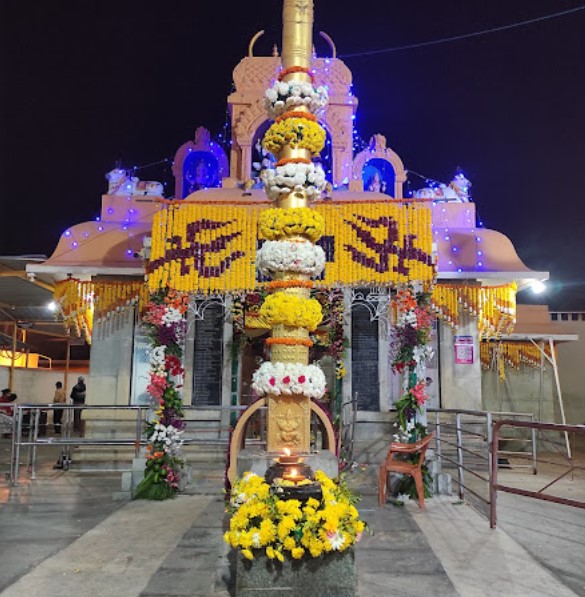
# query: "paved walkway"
{"points": [[64, 535]]}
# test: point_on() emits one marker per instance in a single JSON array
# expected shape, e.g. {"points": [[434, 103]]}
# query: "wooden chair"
{"points": [[414, 469]]}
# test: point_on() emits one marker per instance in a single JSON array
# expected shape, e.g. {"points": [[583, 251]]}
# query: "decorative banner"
{"points": [[203, 248], [212, 248], [494, 306]]}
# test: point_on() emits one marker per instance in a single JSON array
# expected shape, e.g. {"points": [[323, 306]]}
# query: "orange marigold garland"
{"points": [[295, 69], [276, 284], [286, 161], [296, 114], [290, 341]]}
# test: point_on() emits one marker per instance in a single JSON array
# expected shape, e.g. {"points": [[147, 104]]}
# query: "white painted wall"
{"points": [[460, 383]]}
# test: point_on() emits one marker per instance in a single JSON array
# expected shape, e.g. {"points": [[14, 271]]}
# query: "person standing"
{"points": [[59, 398], [78, 397]]}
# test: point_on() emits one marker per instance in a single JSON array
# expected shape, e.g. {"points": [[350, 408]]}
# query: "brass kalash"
{"points": [[289, 416]]}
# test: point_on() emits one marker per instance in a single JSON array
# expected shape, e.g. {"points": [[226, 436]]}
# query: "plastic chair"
{"points": [[414, 469]]}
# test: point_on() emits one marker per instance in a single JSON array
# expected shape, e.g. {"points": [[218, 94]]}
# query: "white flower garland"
{"points": [[157, 360], [289, 256], [288, 379], [309, 178], [169, 436], [282, 97]]}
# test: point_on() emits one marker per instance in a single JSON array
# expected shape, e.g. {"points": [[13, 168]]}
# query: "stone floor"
{"points": [[64, 534]]}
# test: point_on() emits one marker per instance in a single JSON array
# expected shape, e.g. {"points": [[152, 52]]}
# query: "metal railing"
{"points": [[214, 431], [463, 440], [540, 495]]}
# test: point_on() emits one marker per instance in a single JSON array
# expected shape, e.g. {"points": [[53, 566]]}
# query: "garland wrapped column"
{"points": [[296, 139]]}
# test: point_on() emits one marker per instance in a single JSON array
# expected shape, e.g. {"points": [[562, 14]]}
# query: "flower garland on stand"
{"points": [[166, 325], [413, 325]]}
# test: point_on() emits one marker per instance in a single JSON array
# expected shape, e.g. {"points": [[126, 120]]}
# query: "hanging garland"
{"points": [[493, 306], [166, 326], [510, 354], [83, 302]]}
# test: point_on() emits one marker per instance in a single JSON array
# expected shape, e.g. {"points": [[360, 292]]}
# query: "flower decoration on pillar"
{"points": [[413, 325], [165, 321]]}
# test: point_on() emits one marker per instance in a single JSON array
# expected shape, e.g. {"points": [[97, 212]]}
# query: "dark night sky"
{"points": [[85, 83]]}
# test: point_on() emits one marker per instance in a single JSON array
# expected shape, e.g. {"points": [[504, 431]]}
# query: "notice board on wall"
{"points": [[208, 358], [463, 350], [365, 379]]}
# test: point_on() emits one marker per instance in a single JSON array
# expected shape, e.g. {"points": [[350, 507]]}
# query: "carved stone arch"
{"points": [[378, 149], [248, 123]]}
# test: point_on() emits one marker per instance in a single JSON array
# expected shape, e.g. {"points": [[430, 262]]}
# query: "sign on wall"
{"points": [[463, 348]]}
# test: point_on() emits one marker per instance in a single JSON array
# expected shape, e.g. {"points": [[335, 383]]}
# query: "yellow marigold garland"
{"points": [[300, 133], [277, 223], [291, 310], [494, 306]]}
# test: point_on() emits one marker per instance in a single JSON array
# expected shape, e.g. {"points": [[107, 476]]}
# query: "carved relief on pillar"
{"points": [[289, 423], [378, 150]]}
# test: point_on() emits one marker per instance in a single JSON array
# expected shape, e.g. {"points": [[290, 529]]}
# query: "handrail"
{"points": [[66, 441], [495, 486]]}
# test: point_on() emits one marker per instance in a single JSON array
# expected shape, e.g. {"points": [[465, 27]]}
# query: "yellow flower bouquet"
{"points": [[288, 309], [262, 522], [278, 223]]}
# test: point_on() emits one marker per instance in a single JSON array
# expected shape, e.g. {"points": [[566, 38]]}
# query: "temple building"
{"points": [[99, 268]]}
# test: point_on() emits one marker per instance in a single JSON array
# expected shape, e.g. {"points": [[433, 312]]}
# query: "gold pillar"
{"points": [[297, 33], [289, 417]]}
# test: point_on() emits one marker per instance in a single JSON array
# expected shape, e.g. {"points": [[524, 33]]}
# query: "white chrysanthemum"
{"points": [[297, 257], [289, 379], [283, 96], [294, 177], [336, 540], [171, 316]]}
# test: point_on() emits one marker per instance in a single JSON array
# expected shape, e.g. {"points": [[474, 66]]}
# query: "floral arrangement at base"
{"points": [[262, 522], [291, 177], [290, 256], [289, 379], [166, 326]]}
